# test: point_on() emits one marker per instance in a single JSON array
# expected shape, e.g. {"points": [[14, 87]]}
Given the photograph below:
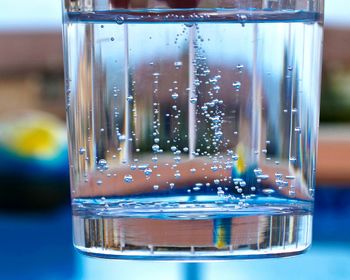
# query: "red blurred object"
{"points": [[120, 3], [175, 4], [178, 4]]}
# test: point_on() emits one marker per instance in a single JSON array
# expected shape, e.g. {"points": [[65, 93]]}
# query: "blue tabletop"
{"points": [[39, 246]]}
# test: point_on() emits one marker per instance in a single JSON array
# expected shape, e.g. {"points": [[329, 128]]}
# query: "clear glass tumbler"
{"points": [[192, 126]]}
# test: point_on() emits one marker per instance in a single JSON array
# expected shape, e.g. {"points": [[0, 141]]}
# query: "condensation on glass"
{"points": [[192, 126]]}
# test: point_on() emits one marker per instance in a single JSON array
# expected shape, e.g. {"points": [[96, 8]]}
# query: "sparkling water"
{"points": [[192, 135]]}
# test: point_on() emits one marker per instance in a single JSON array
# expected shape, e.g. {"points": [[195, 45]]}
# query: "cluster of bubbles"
{"points": [[212, 114]]}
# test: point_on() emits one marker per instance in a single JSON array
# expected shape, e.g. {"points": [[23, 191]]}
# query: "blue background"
{"points": [[39, 246]]}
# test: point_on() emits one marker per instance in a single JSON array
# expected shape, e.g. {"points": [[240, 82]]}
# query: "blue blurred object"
{"points": [[332, 216], [39, 246], [34, 161]]}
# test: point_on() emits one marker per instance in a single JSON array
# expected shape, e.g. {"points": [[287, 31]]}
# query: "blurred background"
{"points": [[35, 219]]}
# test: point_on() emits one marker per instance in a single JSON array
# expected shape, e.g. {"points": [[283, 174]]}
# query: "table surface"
{"points": [[39, 246]]}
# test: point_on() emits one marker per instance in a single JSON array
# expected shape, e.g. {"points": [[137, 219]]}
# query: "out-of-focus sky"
{"points": [[46, 15]]}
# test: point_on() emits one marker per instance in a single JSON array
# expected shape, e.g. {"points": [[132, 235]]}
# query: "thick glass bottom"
{"points": [[199, 234]]}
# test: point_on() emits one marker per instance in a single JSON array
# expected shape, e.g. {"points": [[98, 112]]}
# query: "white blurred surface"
{"points": [[337, 13], [43, 15], [322, 262], [33, 15]]}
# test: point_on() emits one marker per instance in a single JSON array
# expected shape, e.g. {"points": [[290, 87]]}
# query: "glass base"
{"points": [[245, 234]]}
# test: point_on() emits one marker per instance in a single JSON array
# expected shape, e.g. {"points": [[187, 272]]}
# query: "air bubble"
{"points": [[178, 63], [292, 159], [143, 166], [235, 157], [206, 71], [188, 24], [99, 182], [218, 133], [214, 168], [173, 149], [102, 164], [193, 100], [237, 180], [210, 104], [263, 177], [236, 85], [220, 193], [242, 184], [133, 167], [82, 151], [239, 67], [215, 119], [257, 171], [279, 175], [128, 179], [155, 148], [243, 19], [268, 191], [119, 20], [154, 158], [177, 159]]}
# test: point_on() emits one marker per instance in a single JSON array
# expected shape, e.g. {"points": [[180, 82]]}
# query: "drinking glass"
{"points": [[192, 126]]}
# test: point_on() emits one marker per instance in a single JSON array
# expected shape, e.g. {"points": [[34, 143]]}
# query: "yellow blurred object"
{"points": [[35, 140], [33, 134], [221, 243], [241, 165]]}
